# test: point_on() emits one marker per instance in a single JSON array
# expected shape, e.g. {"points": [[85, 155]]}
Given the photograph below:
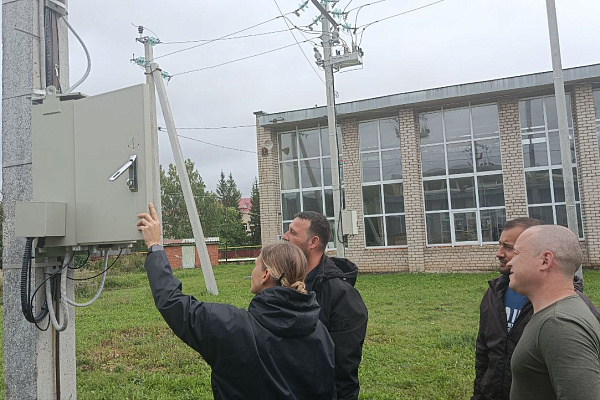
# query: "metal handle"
{"points": [[130, 165]]}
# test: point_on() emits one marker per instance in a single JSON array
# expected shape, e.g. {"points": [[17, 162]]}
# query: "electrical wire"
{"points": [[300, 47], [392, 16], [87, 54], [62, 297], [236, 60], [227, 38], [100, 287], [97, 275], [209, 143], [221, 38], [217, 127], [83, 263]]}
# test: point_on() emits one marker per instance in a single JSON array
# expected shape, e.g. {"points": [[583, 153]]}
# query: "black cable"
{"points": [[103, 271], [65, 265], [26, 300], [84, 263]]}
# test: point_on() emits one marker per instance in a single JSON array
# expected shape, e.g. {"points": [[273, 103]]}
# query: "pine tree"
{"points": [[255, 233], [233, 194], [176, 222], [222, 188]]}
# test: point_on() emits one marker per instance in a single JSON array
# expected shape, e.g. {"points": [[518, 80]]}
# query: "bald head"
{"points": [[558, 240]]}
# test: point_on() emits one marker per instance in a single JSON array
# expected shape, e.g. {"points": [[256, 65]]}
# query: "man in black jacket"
{"points": [[503, 315], [342, 309]]}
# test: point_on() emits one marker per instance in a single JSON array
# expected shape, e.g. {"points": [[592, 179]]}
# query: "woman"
{"points": [[278, 349]]}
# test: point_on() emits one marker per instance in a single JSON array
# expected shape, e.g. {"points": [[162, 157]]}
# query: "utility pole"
{"points": [[37, 365], [149, 57], [332, 126], [563, 125]]}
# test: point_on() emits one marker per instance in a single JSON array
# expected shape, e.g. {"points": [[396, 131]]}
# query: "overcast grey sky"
{"points": [[451, 42]]}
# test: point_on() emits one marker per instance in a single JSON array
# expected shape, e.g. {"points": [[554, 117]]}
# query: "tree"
{"points": [[222, 188], [233, 232], [227, 191], [176, 222], [255, 233], [233, 194]]}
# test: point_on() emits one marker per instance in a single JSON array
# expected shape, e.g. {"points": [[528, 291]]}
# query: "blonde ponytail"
{"points": [[286, 263]]}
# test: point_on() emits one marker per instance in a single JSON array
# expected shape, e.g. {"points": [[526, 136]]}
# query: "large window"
{"points": [[305, 173], [542, 161], [382, 189], [462, 175]]}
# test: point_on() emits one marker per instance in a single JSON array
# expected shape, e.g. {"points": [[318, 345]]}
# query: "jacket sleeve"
{"points": [[187, 317], [347, 326], [590, 305], [481, 353]]}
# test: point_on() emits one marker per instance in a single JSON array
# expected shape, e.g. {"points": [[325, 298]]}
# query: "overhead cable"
{"points": [[222, 37], [365, 26], [237, 59], [227, 38], [300, 47], [211, 144]]}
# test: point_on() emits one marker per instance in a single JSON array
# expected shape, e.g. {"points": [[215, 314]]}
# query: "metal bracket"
{"points": [[130, 165], [51, 102]]}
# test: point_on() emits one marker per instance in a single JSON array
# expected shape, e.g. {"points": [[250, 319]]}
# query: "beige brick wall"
{"points": [[268, 186], [586, 143], [417, 256], [410, 146], [515, 196]]}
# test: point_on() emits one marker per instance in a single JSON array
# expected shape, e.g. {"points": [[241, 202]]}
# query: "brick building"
{"points": [[434, 174], [182, 253]]}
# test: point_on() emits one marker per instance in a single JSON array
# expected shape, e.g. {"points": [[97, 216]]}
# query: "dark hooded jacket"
{"points": [[278, 349], [345, 316], [494, 347]]}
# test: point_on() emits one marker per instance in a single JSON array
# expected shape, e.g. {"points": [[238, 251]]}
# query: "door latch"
{"points": [[130, 165]]}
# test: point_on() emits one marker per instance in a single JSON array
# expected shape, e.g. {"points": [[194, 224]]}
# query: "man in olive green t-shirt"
{"points": [[558, 356]]}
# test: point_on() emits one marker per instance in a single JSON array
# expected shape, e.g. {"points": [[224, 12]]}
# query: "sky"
{"points": [[445, 43]]}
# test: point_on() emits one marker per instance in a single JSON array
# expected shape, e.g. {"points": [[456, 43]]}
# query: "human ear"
{"points": [[266, 278]]}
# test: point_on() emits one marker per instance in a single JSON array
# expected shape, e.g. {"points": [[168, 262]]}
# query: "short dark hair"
{"points": [[319, 226], [523, 222]]}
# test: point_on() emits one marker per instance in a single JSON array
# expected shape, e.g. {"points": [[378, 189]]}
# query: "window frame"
{"points": [[475, 173], [381, 183], [300, 190], [549, 168]]}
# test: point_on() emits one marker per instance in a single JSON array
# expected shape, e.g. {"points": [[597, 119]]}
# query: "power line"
{"points": [[222, 37], [209, 143], [393, 16], [238, 59], [220, 127], [228, 38], [300, 47]]}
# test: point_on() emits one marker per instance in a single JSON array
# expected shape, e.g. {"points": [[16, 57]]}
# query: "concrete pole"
{"points": [[157, 200], [184, 180], [332, 126], [35, 366], [563, 125]]}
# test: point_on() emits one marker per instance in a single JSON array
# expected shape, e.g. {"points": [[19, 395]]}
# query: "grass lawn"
{"points": [[420, 338]]}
